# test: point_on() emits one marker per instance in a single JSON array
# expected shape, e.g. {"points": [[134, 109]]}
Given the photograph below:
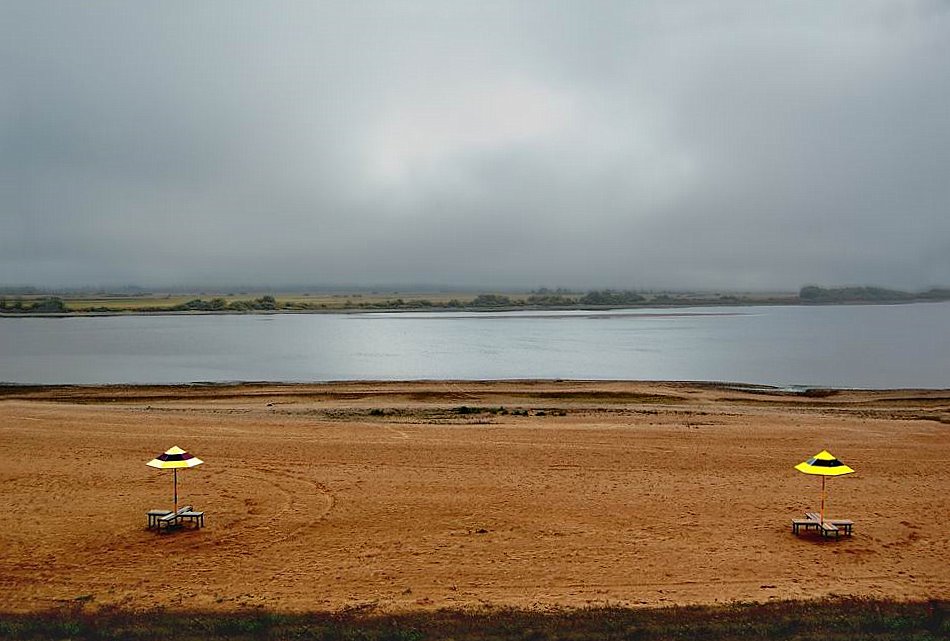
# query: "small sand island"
{"points": [[427, 495]]}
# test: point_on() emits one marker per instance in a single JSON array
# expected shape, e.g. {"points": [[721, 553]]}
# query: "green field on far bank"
{"points": [[355, 301]]}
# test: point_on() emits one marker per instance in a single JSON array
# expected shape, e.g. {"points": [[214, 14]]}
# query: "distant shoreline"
{"points": [[75, 303], [113, 392], [475, 310]]}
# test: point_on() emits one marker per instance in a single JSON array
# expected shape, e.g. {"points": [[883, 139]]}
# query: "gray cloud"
{"points": [[585, 144]]}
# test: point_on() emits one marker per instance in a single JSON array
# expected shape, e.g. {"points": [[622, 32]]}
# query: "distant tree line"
{"points": [[481, 301], [264, 303], [47, 305], [815, 294], [542, 298], [611, 297]]}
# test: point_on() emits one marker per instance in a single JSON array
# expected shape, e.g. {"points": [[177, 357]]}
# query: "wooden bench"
{"points": [[171, 519], [154, 515], [803, 523], [845, 525], [198, 518], [830, 527]]}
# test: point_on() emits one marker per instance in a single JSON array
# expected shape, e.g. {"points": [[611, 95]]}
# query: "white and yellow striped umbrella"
{"points": [[174, 459]]}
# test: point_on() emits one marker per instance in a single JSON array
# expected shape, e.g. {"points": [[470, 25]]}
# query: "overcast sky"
{"points": [[632, 144]]}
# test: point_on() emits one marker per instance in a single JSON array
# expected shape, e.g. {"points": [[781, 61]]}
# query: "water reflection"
{"points": [[841, 346]]}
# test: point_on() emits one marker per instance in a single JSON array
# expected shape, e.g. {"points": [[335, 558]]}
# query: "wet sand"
{"points": [[425, 495]]}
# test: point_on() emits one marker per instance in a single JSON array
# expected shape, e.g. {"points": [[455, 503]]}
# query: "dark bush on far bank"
{"points": [[611, 297]]}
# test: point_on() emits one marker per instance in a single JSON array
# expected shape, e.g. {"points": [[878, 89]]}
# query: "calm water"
{"points": [[882, 346]]}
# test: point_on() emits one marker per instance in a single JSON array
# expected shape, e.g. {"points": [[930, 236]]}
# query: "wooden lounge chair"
{"points": [[171, 519], [827, 528], [845, 525]]}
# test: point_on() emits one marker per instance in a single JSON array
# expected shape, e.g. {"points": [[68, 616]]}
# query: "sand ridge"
{"points": [[457, 494]]}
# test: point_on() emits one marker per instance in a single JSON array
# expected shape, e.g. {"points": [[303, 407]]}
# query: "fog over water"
{"points": [[654, 144]]}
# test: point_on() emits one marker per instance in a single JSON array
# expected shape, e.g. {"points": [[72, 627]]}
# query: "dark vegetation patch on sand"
{"points": [[830, 620], [440, 401]]}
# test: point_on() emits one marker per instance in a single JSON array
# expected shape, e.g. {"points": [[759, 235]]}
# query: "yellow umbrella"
{"points": [[175, 459], [823, 464]]}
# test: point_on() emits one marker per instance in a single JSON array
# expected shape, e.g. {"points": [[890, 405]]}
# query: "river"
{"points": [[852, 346]]}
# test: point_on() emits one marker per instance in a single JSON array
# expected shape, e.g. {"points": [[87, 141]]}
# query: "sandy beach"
{"points": [[400, 496]]}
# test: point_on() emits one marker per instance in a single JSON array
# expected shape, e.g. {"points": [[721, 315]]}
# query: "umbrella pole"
{"points": [[176, 490], [822, 514]]}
